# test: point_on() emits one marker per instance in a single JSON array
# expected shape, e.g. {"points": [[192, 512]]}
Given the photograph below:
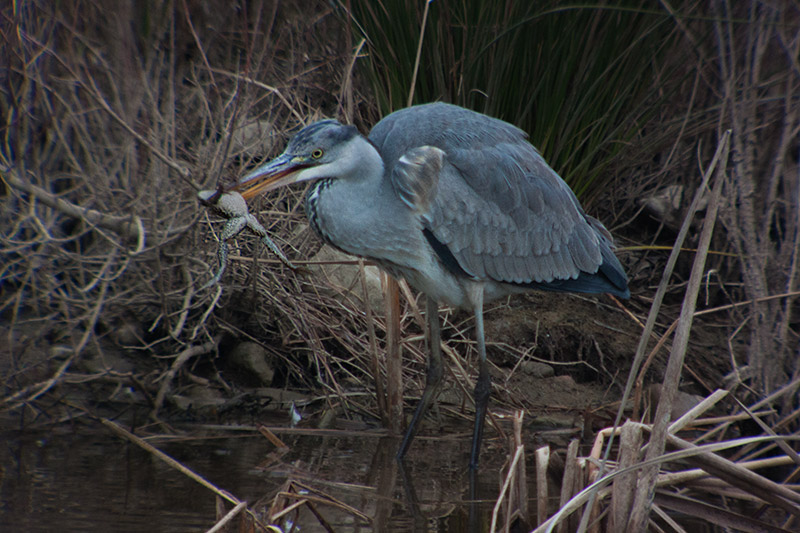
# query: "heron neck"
{"points": [[358, 211], [368, 169]]}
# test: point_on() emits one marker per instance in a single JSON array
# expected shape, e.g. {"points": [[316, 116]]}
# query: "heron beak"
{"points": [[283, 170]]}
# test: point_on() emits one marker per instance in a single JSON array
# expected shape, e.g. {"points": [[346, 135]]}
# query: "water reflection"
{"points": [[93, 481]]}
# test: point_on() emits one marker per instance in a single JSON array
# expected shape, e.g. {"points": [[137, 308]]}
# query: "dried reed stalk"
{"points": [[569, 483], [647, 478], [542, 492]]}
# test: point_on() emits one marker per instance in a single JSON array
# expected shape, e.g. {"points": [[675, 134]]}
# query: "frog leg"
{"points": [[232, 228], [258, 229]]}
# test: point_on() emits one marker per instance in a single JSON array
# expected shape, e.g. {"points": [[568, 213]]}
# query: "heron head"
{"points": [[325, 149]]}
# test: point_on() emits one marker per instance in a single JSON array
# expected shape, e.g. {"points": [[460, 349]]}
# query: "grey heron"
{"points": [[459, 204]]}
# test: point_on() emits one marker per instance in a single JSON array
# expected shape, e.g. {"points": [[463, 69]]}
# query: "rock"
{"points": [[94, 362], [669, 205], [343, 278], [252, 358], [128, 333], [565, 381], [198, 398], [254, 139], [537, 369], [448, 394], [683, 403]]}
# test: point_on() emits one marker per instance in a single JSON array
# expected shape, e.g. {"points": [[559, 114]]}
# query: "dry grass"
{"points": [[110, 129], [101, 226], [726, 492]]}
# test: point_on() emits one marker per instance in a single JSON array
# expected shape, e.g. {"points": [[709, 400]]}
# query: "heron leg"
{"points": [[483, 386], [433, 378]]}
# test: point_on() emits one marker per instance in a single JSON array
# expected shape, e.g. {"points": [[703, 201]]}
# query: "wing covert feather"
{"points": [[498, 207]]}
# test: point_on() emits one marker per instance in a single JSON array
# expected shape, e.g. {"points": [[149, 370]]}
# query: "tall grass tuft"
{"points": [[578, 78]]}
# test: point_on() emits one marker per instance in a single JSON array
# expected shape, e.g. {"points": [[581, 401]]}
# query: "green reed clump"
{"points": [[581, 79]]}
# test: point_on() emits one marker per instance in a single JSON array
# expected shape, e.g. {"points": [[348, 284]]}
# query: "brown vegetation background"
{"points": [[113, 119]]}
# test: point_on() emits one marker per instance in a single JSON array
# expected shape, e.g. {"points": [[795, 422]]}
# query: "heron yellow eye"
{"points": [[316, 154]]}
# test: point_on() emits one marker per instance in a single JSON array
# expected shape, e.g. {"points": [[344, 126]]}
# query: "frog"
{"points": [[233, 206]]}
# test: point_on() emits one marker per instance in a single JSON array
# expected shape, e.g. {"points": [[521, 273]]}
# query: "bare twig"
{"points": [[116, 428], [179, 361], [130, 227], [222, 522]]}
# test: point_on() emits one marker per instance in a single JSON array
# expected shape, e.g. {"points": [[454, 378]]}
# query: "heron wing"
{"points": [[497, 208], [505, 215]]}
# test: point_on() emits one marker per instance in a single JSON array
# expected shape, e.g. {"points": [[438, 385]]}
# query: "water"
{"points": [[90, 480]]}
